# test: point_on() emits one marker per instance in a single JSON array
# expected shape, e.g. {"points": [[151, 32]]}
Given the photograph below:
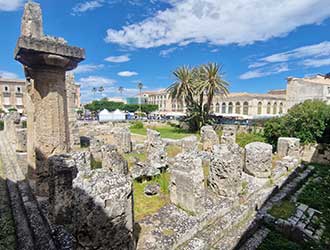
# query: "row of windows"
{"points": [[7, 102], [6, 89], [270, 109]]}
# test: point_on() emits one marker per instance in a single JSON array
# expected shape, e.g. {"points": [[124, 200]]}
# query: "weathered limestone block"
{"points": [[187, 188], [113, 161], [226, 168], [288, 146], [156, 151], [209, 138], [45, 61], [96, 204], [103, 210], [258, 159], [228, 134], [189, 144], [122, 139], [21, 140], [284, 165]]}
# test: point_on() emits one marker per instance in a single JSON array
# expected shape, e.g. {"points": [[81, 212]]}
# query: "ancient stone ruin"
{"points": [[288, 147], [209, 138], [228, 134], [45, 60]]}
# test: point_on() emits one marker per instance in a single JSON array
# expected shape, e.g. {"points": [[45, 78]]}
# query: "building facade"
{"points": [[12, 95], [245, 105], [309, 88]]}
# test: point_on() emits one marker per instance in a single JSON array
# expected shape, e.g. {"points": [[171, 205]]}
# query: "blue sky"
{"points": [[259, 42]]}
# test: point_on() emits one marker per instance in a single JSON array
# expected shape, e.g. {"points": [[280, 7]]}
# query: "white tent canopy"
{"points": [[117, 115]]}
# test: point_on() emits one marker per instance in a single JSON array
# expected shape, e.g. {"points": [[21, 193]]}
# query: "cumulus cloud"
{"points": [[85, 68], [220, 22], [95, 81], [127, 73], [118, 59], [167, 52], [10, 5], [8, 75], [309, 56], [87, 6], [264, 72]]}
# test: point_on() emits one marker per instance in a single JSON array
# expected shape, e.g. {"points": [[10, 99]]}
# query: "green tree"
{"points": [[308, 121]]}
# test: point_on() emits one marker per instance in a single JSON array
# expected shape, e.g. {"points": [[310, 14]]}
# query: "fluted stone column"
{"points": [[46, 60]]}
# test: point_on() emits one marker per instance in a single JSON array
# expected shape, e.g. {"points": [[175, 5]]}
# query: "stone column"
{"points": [[46, 60]]}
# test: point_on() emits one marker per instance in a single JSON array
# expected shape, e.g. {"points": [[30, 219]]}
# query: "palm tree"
{"points": [[140, 87], [211, 82], [94, 91], [183, 85], [121, 90]]}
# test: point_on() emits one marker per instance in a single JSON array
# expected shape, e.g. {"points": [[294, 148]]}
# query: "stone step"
{"points": [[32, 229]]}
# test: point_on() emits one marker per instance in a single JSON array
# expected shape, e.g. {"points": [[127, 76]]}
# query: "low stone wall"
{"points": [[316, 153]]}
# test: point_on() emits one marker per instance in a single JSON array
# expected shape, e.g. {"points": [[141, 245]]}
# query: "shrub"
{"points": [[24, 124], [137, 125], [308, 121], [2, 125]]}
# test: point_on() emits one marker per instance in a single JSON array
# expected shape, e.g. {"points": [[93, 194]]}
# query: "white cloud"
{"points": [[88, 5], [8, 75], [316, 63], [167, 52], [95, 81], [118, 59], [214, 50], [127, 73], [85, 68], [264, 72], [315, 50], [220, 22], [10, 5]]}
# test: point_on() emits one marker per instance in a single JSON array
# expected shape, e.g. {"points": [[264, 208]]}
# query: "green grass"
{"points": [[243, 139], [130, 158], [95, 164], [316, 194], [173, 151], [165, 131], [143, 205], [1, 125], [275, 241], [284, 210]]}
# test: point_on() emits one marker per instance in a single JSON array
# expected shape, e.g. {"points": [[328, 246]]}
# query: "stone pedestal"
{"points": [[46, 60]]}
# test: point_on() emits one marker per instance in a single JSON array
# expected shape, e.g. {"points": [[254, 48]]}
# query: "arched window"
{"points": [[259, 108], [230, 108], [238, 108], [275, 108], [223, 108], [245, 108], [211, 108], [268, 108], [281, 108], [217, 108]]}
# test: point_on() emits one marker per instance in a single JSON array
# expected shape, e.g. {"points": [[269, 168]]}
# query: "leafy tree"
{"points": [[309, 121]]}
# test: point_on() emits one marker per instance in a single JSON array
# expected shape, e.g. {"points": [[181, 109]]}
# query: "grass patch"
{"points": [[143, 205], [2, 125], [173, 151], [316, 195], [130, 158], [276, 241], [283, 210], [243, 139], [95, 164], [165, 131]]}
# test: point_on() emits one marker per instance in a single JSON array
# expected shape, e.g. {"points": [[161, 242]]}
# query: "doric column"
{"points": [[46, 60]]}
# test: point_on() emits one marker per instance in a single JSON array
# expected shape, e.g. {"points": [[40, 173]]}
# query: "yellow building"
{"points": [[12, 94]]}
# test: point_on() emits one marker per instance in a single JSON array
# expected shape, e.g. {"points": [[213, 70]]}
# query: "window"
{"points": [[274, 108], [6, 89], [217, 108], [238, 108], [230, 108], [245, 108], [223, 108], [259, 108], [212, 108], [19, 101], [18, 90], [6, 100], [281, 108], [268, 108]]}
